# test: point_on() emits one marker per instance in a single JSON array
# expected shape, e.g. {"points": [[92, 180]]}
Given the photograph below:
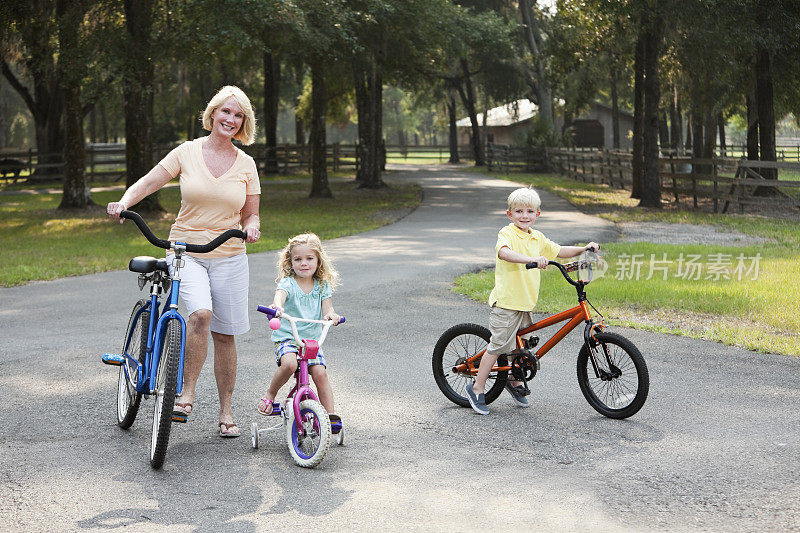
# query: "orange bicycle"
{"points": [[612, 373]]}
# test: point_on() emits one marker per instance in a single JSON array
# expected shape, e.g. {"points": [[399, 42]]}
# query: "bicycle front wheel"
{"points": [[453, 348], [613, 376], [166, 386], [309, 448], [134, 344]]}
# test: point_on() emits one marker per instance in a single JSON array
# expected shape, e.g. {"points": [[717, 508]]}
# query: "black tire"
{"points": [[455, 345], [128, 399], [619, 387], [166, 385]]}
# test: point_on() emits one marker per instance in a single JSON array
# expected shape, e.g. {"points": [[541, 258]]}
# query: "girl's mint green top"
{"points": [[301, 305]]}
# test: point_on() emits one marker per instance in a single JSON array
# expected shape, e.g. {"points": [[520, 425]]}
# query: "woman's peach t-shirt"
{"points": [[210, 205]]}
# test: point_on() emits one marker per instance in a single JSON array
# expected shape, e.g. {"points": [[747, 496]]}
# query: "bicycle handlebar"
{"points": [[167, 245], [272, 313], [564, 268], [326, 324]]}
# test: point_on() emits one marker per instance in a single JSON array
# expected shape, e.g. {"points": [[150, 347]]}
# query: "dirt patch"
{"points": [[666, 233]]}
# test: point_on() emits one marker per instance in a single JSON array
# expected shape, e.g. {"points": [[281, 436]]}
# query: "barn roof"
{"points": [[505, 115]]}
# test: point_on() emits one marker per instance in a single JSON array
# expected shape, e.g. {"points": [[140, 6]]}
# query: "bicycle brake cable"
{"points": [[602, 318]]}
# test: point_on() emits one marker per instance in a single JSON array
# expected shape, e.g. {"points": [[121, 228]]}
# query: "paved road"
{"points": [[715, 448]]}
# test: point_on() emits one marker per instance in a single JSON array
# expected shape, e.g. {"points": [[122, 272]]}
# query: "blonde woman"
{"points": [[220, 190], [306, 279]]}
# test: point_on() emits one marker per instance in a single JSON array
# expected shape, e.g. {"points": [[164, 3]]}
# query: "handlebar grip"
{"points": [[145, 229], [531, 265], [270, 312], [204, 248]]}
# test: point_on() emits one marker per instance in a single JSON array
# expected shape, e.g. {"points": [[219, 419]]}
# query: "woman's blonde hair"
{"points": [[325, 272], [247, 133]]}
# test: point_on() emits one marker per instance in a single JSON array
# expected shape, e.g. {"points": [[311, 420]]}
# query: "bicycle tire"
{"points": [[623, 389], [166, 386], [309, 451], [128, 398], [456, 344]]}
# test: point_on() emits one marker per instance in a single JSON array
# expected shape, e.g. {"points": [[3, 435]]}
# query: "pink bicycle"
{"points": [[307, 426]]}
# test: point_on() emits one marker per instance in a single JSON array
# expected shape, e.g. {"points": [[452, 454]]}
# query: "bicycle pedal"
{"points": [[113, 359], [336, 424]]}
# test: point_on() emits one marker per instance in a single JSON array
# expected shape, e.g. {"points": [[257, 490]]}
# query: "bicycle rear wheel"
{"points": [[309, 449], [453, 348], [613, 376], [134, 344], [166, 386]]}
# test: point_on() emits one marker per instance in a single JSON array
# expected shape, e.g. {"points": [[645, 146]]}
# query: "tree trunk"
{"points": [[766, 111], [450, 101], [676, 123], [46, 104], [319, 169], [137, 91], [614, 108], [709, 138], [272, 81], [467, 94], [752, 123], [651, 180], [637, 161], [663, 130], [723, 145], [76, 189], [369, 100], [103, 122], [299, 126], [697, 139], [541, 84]]}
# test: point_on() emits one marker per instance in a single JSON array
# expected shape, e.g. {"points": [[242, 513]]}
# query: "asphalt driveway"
{"points": [[715, 447]]}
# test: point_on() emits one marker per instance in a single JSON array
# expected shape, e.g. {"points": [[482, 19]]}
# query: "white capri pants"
{"points": [[219, 284]]}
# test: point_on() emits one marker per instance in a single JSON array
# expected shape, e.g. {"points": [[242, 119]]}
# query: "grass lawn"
{"points": [[41, 242], [742, 296]]}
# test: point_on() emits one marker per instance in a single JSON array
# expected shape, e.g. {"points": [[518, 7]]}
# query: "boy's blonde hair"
{"points": [[325, 272], [247, 133], [524, 197]]}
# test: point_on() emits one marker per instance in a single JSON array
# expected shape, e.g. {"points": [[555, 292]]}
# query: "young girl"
{"points": [[306, 279]]}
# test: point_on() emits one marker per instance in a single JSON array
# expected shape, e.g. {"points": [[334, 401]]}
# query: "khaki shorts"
{"points": [[504, 324], [219, 284]]}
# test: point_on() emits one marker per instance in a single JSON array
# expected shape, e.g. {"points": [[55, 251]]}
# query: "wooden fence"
{"points": [[720, 183], [107, 161]]}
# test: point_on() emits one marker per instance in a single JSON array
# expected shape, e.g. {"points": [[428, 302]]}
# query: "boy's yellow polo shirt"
{"points": [[516, 287]]}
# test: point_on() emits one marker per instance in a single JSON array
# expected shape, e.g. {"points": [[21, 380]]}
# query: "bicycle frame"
{"points": [[156, 332], [572, 317], [309, 348]]}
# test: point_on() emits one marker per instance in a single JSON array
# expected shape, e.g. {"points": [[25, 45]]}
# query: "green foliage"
{"points": [[41, 243], [541, 135], [758, 314]]}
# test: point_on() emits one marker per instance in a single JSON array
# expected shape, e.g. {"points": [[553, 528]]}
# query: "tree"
{"points": [[137, 90], [651, 180], [72, 67], [538, 76], [30, 40]]}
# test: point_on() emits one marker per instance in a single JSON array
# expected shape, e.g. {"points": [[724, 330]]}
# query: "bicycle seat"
{"points": [[145, 264]]}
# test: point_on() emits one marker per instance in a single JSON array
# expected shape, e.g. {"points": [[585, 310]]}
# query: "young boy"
{"points": [[516, 289]]}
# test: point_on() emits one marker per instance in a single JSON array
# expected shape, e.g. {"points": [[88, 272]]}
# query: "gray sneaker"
{"points": [[477, 402], [518, 394]]}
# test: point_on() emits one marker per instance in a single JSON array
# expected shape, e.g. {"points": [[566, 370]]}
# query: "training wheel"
{"points": [[254, 435]]}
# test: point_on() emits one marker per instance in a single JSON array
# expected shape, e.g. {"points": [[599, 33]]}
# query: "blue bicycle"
{"points": [[151, 362]]}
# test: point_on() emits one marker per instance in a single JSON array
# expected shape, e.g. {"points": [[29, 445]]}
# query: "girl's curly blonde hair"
{"points": [[325, 272]]}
